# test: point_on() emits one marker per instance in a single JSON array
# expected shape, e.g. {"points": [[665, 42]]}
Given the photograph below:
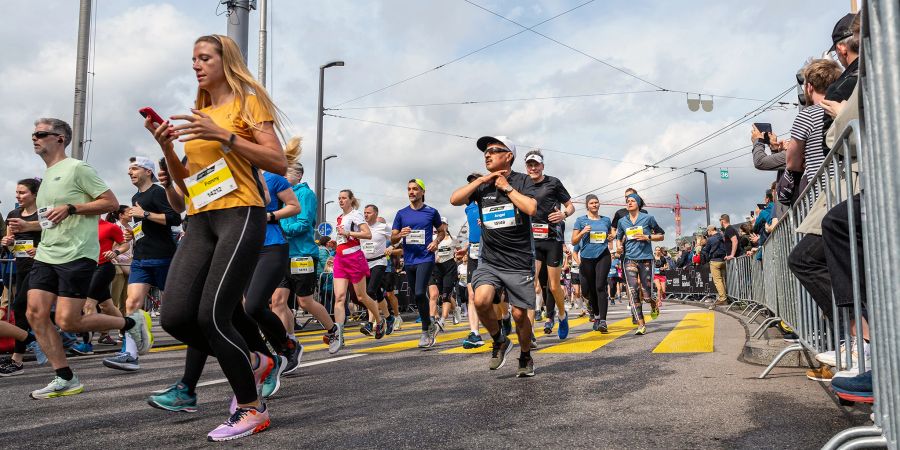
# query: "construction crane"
{"points": [[676, 209]]}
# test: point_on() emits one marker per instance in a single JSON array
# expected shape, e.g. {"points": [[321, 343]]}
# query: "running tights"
{"points": [[638, 274], [594, 272], [203, 294], [270, 270], [19, 306], [417, 276]]}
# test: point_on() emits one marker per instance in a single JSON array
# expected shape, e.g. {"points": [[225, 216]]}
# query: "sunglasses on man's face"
{"points": [[43, 134]]}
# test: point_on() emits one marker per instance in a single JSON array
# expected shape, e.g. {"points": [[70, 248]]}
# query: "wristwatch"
{"points": [[146, 215], [508, 188], [70, 208], [271, 217]]}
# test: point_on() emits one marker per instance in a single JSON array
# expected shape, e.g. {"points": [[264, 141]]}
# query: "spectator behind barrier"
{"points": [[714, 253]]}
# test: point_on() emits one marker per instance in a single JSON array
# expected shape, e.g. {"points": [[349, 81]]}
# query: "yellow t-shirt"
{"points": [[202, 154]]}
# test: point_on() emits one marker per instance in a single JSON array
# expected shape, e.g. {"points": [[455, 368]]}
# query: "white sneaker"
{"points": [[457, 318], [59, 388], [424, 340], [440, 324], [830, 357], [398, 323]]}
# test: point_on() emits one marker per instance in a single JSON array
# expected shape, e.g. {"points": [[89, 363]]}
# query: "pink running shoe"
{"points": [[244, 422], [260, 374]]}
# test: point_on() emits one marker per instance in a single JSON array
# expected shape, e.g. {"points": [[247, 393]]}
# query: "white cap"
{"points": [[534, 157], [483, 143], [444, 220]]}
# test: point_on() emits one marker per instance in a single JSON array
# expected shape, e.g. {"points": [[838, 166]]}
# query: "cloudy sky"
{"points": [[142, 50]]}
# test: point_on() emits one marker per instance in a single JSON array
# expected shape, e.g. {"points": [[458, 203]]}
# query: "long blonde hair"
{"points": [[241, 82]]}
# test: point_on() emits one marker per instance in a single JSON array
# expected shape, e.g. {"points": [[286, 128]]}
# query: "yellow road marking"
{"points": [[694, 334], [347, 342], [414, 343], [593, 340], [487, 345]]}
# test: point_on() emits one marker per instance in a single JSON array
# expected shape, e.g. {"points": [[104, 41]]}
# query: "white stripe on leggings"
{"points": [[219, 289]]}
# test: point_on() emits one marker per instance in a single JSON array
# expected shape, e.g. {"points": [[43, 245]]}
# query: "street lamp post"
{"points": [[321, 210], [706, 192], [320, 164], [325, 208]]}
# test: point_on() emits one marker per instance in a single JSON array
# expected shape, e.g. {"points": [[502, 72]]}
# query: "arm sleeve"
{"points": [[173, 219], [87, 179], [763, 161], [303, 222]]}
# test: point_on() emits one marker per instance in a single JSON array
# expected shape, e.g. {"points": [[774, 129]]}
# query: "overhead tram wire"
{"points": [[440, 66], [502, 100], [753, 113], [461, 136]]}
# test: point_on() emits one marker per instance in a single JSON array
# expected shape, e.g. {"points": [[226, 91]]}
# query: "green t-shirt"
{"points": [[69, 181]]}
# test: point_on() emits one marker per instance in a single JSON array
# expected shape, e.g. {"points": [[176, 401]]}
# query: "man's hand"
{"points": [[500, 180], [432, 247], [31, 252], [729, 258], [404, 232], [110, 255], [58, 214], [755, 134], [489, 178], [556, 217], [163, 177], [775, 145], [833, 108], [586, 229], [128, 233], [7, 241], [136, 211]]}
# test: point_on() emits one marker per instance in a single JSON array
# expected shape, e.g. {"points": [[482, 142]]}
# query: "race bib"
{"points": [[340, 239], [463, 278], [574, 269], [474, 251], [633, 231], [444, 252], [597, 237], [210, 184], [540, 230], [20, 248], [656, 271], [369, 248], [302, 265], [46, 224], [137, 229], [416, 237], [498, 216]]}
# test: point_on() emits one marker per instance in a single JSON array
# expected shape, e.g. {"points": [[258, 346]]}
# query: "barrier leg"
{"points": [[760, 311], [851, 434], [766, 323], [866, 442], [791, 348]]}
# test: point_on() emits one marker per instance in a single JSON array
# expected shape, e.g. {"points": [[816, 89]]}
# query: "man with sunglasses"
{"points": [[69, 201], [506, 203]]}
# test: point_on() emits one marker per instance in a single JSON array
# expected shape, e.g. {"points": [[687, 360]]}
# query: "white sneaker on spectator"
{"points": [[849, 373], [830, 357]]}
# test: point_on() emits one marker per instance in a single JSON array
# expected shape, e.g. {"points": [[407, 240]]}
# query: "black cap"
{"points": [[472, 177], [841, 30]]}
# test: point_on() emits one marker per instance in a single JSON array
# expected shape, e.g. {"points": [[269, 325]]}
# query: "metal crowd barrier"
{"points": [[879, 85], [693, 283]]}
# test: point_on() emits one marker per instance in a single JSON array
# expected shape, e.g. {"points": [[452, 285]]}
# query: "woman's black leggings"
{"points": [[20, 305], [594, 272], [270, 269], [202, 302], [417, 276]]}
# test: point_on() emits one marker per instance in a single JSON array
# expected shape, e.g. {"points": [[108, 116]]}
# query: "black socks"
{"points": [[129, 324], [65, 373]]}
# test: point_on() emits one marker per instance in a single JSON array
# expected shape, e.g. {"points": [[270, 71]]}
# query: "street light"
{"points": [[320, 164], [321, 184], [706, 191], [325, 208]]}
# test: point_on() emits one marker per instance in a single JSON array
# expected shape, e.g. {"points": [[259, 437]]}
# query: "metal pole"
{"points": [[81, 66], [320, 165], [706, 192], [263, 19], [238, 18]]}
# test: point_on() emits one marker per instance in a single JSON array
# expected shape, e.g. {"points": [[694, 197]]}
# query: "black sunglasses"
{"points": [[43, 134]]}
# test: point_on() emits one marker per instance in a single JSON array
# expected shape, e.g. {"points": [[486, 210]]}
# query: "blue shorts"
{"points": [[150, 271]]}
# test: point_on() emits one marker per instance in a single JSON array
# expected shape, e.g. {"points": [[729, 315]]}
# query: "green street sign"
{"points": [[723, 173]]}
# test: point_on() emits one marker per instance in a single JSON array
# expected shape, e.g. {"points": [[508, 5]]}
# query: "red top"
{"points": [[351, 222], [110, 234]]}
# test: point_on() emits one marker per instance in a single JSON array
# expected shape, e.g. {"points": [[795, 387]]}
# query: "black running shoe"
{"points": [[366, 328]]}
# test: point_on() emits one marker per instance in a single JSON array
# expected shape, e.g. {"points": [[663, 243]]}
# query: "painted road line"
{"points": [[694, 334], [487, 345], [348, 342], [306, 364], [593, 340], [414, 343]]}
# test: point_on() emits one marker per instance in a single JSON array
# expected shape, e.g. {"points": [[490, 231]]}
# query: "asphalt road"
{"points": [[591, 392]]}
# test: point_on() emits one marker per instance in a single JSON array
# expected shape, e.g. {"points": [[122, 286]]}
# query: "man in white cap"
{"points": [[154, 246], [506, 202]]}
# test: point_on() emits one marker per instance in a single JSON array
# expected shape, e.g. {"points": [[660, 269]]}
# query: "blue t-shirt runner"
{"points": [[422, 222], [594, 243], [276, 184]]}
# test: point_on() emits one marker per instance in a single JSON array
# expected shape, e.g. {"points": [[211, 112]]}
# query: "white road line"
{"points": [[306, 364]]}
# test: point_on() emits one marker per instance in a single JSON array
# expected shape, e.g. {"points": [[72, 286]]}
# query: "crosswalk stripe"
{"points": [[487, 346], [592, 340], [693, 334], [414, 343], [363, 339]]}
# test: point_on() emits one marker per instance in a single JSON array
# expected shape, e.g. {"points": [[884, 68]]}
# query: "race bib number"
{"points": [[540, 230], [597, 237], [20, 248], [340, 239], [210, 184], [633, 231], [498, 216], [656, 271], [369, 248], [137, 229], [474, 251], [574, 269], [444, 252], [46, 224], [302, 265], [416, 237]]}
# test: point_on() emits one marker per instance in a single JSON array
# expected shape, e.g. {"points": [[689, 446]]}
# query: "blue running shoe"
{"points": [[472, 341], [175, 398], [563, 330], [82, 349], [390, 324], [419, 319]]}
